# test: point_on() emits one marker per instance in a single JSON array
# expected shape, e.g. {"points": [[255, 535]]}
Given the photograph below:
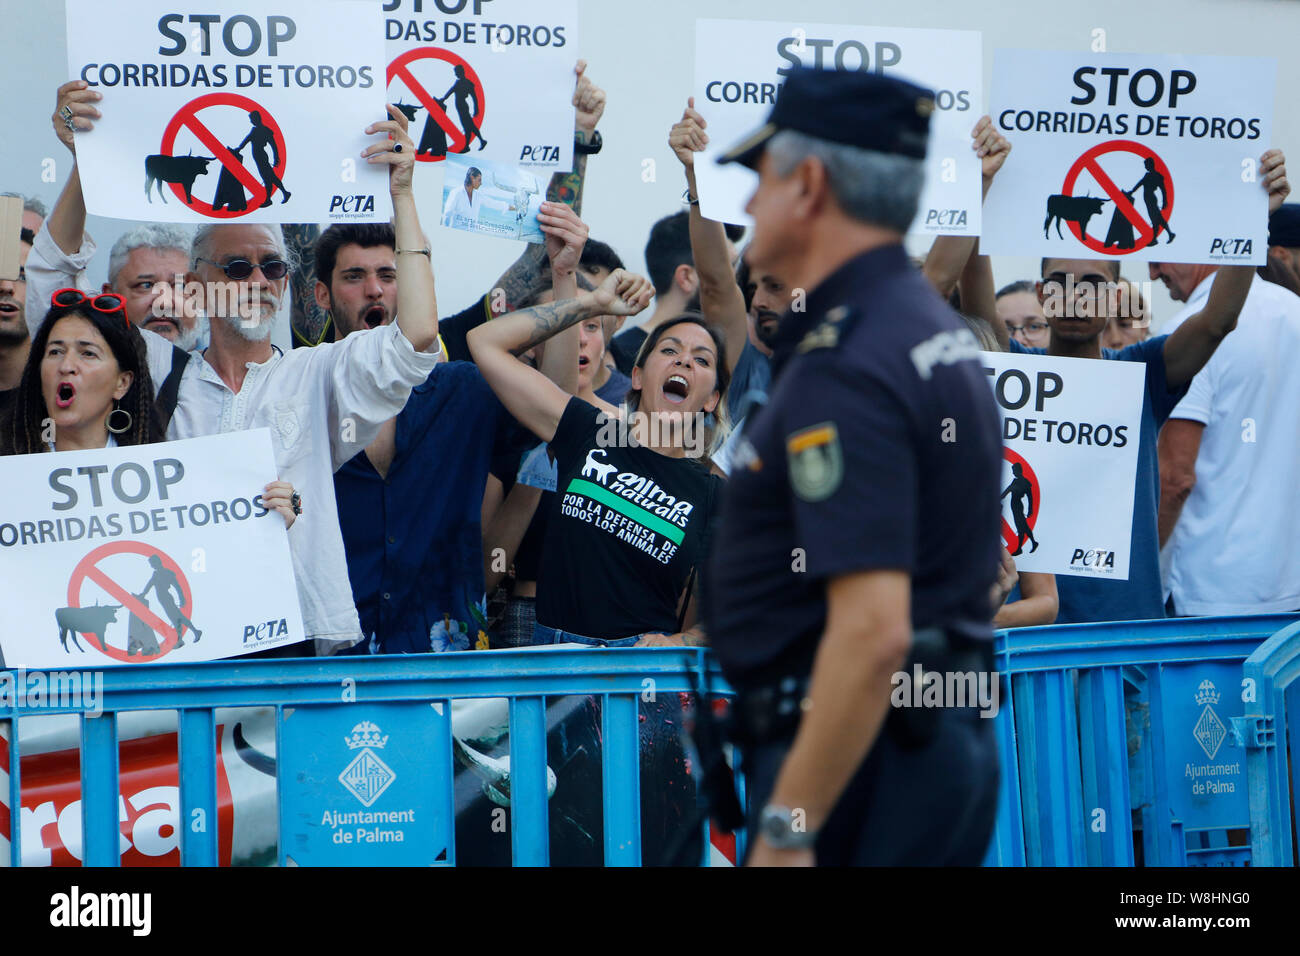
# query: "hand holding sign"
{"points": [[1272, 167], [588, 99], [566, 235], [991, 147], [73, 112], [687, 137], [397, 151]]}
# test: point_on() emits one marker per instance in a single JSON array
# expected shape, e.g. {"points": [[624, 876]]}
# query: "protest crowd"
{"points": [[428, 482]]}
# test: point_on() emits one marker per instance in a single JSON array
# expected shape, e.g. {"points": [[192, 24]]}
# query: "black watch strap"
{"points": [[589, 148]]}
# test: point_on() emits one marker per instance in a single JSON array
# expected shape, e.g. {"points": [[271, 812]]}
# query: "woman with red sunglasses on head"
{"points": [[86, 385]]}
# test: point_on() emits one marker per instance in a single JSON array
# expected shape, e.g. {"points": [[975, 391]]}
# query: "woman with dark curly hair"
{"points": [[86, 383]]}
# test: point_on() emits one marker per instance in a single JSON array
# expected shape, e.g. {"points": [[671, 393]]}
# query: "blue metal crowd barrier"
{"points": [[313, 698], [1097, 719]]}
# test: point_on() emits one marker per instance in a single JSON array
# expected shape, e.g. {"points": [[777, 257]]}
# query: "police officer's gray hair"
{"points": [[30, 204], [150, 236], [882, 189], [201, 248]]}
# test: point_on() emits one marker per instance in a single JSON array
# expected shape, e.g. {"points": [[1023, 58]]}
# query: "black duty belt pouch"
{"points": [[771, 713]]}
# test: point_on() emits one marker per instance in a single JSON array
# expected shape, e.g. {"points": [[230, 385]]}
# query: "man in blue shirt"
{"points": [[410, 503], [1076, 295]]}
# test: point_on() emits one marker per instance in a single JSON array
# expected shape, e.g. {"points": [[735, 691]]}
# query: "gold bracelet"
{"points": [[426, 251]]}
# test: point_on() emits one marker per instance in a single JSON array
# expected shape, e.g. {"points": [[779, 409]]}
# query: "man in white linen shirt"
{"points": [[323, 404]]}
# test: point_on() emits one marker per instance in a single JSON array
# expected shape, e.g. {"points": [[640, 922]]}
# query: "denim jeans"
{"points": [[551, 635]]}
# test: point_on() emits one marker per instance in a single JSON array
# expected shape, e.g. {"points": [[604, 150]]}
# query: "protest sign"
{"points": [[230, 113], [740, 65], [1070, 431], [492, 77], [1139, 156], [492, 199], [144, 553]]}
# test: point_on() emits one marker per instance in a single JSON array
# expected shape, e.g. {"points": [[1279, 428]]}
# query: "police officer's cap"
{"points": [[866, 110], [1284, 226]]}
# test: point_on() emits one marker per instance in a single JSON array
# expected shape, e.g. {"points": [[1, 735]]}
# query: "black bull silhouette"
{"points": [[1072, 209], [173, 169], [92, 620]]}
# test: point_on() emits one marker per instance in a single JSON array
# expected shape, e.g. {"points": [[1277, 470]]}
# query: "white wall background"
{"points": [[642, 54]]}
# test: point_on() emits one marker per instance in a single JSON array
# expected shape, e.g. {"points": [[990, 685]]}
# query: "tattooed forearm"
{"points": [[567, 187], [521, 280], [548, 319], [309, 321]]}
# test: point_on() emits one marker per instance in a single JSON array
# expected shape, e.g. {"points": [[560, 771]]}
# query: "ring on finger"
{"points": [[66, 112], [397, 148], [71, 126], [295, 501]]}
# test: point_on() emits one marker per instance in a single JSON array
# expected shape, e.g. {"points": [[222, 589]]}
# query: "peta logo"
{"points": [[1230, 247], [945, 217], [253, 633], [1093, 559], [944, 348], [352, 204], [540, 154]]}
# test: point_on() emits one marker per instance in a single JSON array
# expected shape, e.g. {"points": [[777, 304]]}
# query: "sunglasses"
{"points": [[239, 269], [106, 303]]}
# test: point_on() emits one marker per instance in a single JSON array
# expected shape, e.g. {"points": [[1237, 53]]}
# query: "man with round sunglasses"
{"points": [[322, 405]]}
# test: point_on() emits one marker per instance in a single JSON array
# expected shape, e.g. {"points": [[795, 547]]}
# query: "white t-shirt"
{"points": [[1236, 547]]}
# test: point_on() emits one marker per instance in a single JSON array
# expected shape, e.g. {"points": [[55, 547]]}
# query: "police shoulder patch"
{"points": [[816, 461], [826, 334]]}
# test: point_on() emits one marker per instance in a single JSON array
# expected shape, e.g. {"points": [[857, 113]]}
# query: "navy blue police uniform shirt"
{"points": [[846, 469], [414, 538], [1141, 597]]}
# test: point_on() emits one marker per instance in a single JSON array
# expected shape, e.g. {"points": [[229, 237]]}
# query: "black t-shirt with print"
{"points": [[626, 527]]}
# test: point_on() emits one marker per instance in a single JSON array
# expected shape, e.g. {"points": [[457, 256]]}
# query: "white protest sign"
{"points": [[1070, 431], [740, 65], [1146, 157], [230, 113], [492, 77], [144, 553]]}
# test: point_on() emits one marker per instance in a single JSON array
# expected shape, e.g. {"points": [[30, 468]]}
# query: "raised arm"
{"points": [[566, 235], [949, 255], [533, 399], [721, 299], [525, 274], [1192, 343], [417, 304]]}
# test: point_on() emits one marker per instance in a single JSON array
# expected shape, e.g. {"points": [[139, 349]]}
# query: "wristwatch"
{"points": [[776, 824], [585, 147]]}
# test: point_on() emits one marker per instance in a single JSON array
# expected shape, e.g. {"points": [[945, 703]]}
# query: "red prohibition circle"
{"points": [[89, 564], [1009, 536], [187, 117], [1142, 231], [400, 69]]}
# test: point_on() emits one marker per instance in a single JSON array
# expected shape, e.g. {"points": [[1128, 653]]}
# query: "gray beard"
{"points": [[252, 333], [188, 339]]}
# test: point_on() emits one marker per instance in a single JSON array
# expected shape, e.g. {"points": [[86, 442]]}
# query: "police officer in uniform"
{"points": [[860, 529]]}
